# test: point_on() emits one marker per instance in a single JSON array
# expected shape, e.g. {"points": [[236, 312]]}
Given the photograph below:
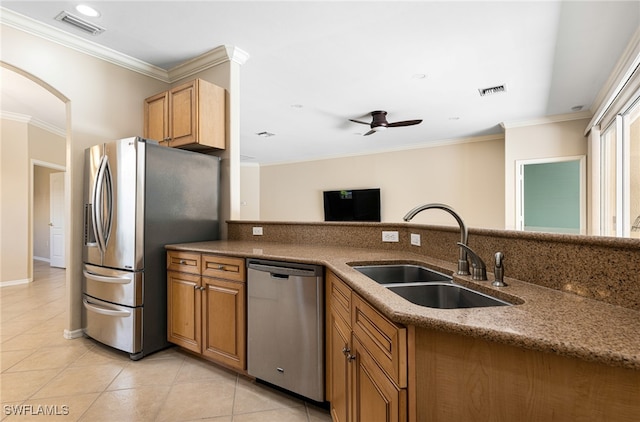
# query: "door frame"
{"points": [[519, 216], [53, 166]]}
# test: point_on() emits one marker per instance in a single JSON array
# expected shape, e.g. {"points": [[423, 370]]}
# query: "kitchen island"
{"points": [[553, 355]]}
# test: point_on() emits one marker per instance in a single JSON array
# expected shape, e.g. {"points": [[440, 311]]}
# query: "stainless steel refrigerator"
{"points": [[138, 197]]}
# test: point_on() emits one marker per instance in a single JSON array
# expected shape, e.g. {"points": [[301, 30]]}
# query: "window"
{"points": [[620, 173]]}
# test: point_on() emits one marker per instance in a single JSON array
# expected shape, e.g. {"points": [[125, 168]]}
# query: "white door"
{"points": [[56, 222]]}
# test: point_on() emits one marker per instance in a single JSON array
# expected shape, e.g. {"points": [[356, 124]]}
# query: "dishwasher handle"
{"points": [[282, 271]]}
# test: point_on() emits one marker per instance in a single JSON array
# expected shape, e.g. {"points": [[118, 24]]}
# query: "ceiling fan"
{"points": [[379, 122]]}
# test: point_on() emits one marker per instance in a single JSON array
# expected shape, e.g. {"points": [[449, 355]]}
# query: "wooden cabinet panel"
{"points": [[185, 262], [184, 305], [375, 397], [156, 118], [386, 341], [183, 114], [229, 268], [339, 296], [475, 379], [339, 366], [224, 321]]}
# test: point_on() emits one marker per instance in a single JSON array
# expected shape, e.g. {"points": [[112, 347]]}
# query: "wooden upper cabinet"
{"points": [[189, 116], [156, 117]]}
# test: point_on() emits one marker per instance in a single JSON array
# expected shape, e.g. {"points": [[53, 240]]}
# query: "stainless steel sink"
{"points": [[401, 273], [445, 296], [426, 287]]}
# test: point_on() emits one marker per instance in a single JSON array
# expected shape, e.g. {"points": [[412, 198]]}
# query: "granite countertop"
{"points": [[543, 319]]}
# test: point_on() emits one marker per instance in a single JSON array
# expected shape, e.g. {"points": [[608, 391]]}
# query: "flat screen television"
{"points": [[352, 205]]}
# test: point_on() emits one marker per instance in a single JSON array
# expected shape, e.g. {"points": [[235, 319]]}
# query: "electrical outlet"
{"points": [[390, 236], [415, 239], [257, 231]]}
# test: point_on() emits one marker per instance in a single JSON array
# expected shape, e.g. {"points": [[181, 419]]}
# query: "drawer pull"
{"points": [[182, 262]]}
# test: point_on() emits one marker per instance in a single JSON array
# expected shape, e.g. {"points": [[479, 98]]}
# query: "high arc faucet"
{"points": [[463, 264]]}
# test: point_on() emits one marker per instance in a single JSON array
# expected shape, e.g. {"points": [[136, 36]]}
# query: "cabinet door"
{"points": [[156, 118], [184, 310], [339, 367], [183, 114], [375, 397], [224, 322]]}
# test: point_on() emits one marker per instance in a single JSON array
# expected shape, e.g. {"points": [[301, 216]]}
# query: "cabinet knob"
{"points": [[221, 267], [202, 288], [346, 351], [195, 287], [350, 358], [182, 262]]}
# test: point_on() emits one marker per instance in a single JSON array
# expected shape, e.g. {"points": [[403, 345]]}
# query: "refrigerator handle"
{"points": [[105, 279], [108, 179], [102, 223], [104, 311]]}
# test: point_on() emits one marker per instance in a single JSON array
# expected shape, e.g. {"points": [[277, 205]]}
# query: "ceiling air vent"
{"points": [[79, 23], [492, 90]]}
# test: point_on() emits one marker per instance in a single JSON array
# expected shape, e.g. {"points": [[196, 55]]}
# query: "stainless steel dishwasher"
{"points": [[285, 326]]}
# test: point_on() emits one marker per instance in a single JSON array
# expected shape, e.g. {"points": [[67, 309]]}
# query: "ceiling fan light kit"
{"points": [[379, 122]]}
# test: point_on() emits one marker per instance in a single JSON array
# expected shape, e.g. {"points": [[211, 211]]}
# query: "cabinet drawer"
{"points": [[185, 262], [385, 341], [225, 267], [339, 296]]}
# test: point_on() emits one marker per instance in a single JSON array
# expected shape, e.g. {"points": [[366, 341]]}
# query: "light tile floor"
{"points": [[51, 378]]}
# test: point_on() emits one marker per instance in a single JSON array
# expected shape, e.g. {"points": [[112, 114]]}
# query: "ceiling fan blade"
{"points": [[404, 123], [369, 133], [358, 121]]}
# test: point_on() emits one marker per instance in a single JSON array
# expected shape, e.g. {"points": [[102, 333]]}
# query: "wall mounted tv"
{"points": [[352, 205]]}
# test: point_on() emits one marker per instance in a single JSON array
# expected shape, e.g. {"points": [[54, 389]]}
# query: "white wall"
{"points": [[14, 191], [534, 141], [23, 143], [250, 192], [468, 175]]}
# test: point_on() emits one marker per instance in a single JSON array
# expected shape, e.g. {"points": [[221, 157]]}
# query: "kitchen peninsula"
{"points": [[568, 350]]}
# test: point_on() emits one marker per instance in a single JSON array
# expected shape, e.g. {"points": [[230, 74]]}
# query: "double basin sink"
{"points": [[426, 287]]}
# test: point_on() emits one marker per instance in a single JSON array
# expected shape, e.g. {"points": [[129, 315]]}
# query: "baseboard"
{"points": [[71, 334], [15, 282], [39, 258]]}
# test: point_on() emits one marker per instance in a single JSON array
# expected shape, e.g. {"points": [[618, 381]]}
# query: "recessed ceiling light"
{"points": [[419, 76], [454, 118], [87, 10], [296, 106], [577, 108]]}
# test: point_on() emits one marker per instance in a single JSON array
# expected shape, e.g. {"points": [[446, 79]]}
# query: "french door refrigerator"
{"points": [[138, 197]]}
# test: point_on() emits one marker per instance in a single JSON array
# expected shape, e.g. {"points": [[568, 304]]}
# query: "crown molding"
{"points": [[622, 71], [209, 59], [215, 57], [29, 120], [586, 114], [48, 32]]}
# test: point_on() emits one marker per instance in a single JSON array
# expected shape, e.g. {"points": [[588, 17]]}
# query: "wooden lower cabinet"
{"points": [[184, 310], [358, 386], [339, 357], [223, 312], [206, 314], [375, 397]]}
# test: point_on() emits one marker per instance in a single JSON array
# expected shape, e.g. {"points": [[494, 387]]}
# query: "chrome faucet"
{"points": [[478, 267], [463, 264]]}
